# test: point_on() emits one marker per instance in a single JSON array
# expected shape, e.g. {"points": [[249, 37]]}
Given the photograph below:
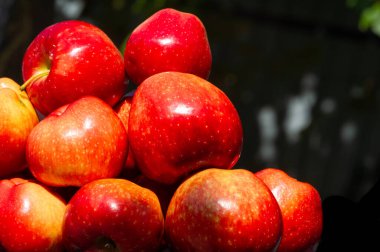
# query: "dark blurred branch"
{"points": [[300, 23], [5, 5], [20, 31]]}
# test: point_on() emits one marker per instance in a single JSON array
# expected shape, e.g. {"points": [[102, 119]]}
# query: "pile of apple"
{"points": [[140, 171]]}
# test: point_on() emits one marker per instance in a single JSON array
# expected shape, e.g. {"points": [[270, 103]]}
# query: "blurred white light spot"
{"points": [[309, 81], [298, 114], [71, 9], [348, 132], [328, 106], [268, 132]]}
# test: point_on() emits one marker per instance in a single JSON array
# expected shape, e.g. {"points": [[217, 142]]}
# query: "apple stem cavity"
{"points": [[35, 77]]}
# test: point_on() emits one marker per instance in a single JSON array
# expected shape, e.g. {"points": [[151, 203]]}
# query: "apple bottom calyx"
{"points": [[104, 244]]}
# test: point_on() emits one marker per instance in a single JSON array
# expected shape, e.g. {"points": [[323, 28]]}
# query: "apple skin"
{"points": [[164, 192], [301, 209], [17, 117], [77, 143], [223, 210], [69, 60], [122, 109], [31, 217], [169, 40], [180, 123], [115, 214]]}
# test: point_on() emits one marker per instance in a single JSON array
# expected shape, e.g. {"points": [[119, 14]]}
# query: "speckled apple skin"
{"points": [[223, 210], [180, 123], [17, 119], [169, 40], [82, 61], [77, 143], [117, 209], [122, 109], [31, 217], [301, 209], [164, 192]]}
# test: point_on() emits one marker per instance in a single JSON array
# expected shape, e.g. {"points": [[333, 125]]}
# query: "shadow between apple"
{"points": [[352, 226]]}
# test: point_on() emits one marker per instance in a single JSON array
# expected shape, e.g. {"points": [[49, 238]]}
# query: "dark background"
{"points": [[302, 75]]}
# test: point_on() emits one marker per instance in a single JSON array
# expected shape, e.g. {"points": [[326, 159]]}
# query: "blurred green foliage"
{"points": [[369, 14]]}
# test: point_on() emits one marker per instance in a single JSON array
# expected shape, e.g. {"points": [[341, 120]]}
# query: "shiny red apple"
{"points": [[17, 119], [169, 40], [180, 123], [223, 210], [301, 209], [31, 217], [113, 215], [79, 142], [69, 60]]}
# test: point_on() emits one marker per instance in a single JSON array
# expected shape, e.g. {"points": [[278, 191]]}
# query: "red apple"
{"points": [[180, 123], [31, 217], [122, 109], [164, 192], [69, 60], [301, 209], [223, 210], [115, 214], [17, 117], [77, 143], [169, 40]]}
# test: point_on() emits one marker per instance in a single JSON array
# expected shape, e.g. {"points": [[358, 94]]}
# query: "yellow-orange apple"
{"points": [[78, 143], [17, 119], [31, 217]]}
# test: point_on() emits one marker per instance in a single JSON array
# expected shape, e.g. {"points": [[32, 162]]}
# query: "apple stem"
{"points": [[35, 77]]}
